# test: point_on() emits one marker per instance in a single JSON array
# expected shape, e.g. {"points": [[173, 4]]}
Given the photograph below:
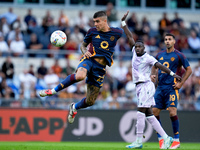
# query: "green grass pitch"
{"points": [[84, 146]]}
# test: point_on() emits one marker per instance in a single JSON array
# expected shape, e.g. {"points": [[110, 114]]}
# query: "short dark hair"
{"points": [[99, 14], [169, 34], [139, 41]]}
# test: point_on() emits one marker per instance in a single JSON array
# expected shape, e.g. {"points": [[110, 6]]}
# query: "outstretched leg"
{"points": [[89, 100], [69, 80]]}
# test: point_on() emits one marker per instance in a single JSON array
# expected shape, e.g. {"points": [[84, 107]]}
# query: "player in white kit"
{"points": [[145, 88]]}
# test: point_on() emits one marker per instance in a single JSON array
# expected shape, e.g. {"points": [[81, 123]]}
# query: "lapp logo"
{"points": [[90, 126], [23, 126], [32, 125], [127, 127]]}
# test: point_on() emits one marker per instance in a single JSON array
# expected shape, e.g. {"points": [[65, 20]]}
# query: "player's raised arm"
{"points": [[167, 70], [127, 31]]}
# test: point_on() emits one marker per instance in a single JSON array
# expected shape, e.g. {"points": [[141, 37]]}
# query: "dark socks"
{"points": [[69, 80], [81, 104], [175, 126]]}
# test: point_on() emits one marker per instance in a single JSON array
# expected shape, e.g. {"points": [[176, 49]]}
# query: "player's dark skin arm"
{"points": [[188, 72], [154, 74], [128, 32], [84, 50], [167, 70]]}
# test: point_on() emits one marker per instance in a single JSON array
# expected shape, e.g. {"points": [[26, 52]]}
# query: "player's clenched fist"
{"points": [[87, 54]]}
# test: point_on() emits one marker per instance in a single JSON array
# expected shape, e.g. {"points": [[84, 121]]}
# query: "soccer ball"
{"points": [[58, 38]]}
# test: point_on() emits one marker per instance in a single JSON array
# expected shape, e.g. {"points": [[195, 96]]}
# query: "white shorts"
{"points": [[145, 94]]}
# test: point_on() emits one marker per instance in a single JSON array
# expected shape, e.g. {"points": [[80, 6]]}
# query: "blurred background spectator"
{"points": [[164, 24], [132, 21], [4, 49], [51, 79], [63, 21], [194, 42], [17, 46], [10, 16], [82, 22], [8, 68], [30, 20], [47, 21], [4, 26], [112, 15]]}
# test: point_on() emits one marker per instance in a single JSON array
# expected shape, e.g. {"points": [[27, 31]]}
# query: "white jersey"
{"points": [[141, 67]]}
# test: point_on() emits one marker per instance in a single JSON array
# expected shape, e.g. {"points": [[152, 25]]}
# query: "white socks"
{"points": [[156, 125], [139, 139], [165, 136], [74, 108], [140, 124], [53, 91]]}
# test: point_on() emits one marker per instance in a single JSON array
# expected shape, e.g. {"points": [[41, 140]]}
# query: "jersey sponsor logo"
{"points": [[172, 59], [127, 127], [172, 103], [161, 58], [104, 45], [112, 38], [98, 37]]}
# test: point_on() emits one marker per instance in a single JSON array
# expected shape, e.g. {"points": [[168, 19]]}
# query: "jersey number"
{"points": [[172, 97], [166, 64]]}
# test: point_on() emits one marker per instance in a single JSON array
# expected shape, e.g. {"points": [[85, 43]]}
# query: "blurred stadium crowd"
{"points": [[118, 91]]}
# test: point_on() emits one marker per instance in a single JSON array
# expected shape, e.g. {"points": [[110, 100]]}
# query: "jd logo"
{"points": [[127, 127], [90, 126]]}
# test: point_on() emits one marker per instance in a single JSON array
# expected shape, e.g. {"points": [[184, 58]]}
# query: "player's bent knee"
{"points": [[172, 111], [80, 77]]}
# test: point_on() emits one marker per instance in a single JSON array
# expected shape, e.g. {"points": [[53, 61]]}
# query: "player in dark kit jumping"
{"points": [[167, 96], [102, 40]]}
